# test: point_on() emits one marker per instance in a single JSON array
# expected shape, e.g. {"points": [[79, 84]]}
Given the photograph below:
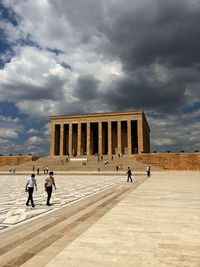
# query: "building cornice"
{"points": [[92, 115]]}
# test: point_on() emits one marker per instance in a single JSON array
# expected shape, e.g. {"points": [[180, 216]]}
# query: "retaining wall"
{"points": [[15, 160], [171, 161]]}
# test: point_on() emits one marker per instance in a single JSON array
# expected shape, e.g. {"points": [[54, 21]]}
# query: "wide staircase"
{"points": [[59, 163]]}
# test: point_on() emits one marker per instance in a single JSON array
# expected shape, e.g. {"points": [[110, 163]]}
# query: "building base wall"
{"points": [[171, 161]]}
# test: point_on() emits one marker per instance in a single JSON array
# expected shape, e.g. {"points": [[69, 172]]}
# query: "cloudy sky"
{"points": [[68, 57]]}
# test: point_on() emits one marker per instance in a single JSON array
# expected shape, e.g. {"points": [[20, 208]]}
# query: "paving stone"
{"points": [[155, 225], [69, 189]]}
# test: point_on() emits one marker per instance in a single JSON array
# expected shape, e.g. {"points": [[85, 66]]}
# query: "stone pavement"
{"points": [[158, 224], [69, 189], [151, 222]]}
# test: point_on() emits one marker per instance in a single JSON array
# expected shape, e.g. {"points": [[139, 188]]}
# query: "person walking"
{"points": [[129, 175], [148, 171], [38, 171], [30, 188], [49, 183]]}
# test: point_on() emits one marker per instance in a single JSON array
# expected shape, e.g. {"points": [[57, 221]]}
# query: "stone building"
{"points": [[101, 133]]}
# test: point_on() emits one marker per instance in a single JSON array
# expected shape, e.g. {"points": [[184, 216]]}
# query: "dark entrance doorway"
{"points": [[57, 140], [104, 138], [134, 137], [94, 137]]}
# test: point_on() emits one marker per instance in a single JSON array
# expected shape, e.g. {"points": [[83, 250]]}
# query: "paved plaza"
{"points": [[158, 224], [69, 189], [103, 221]]}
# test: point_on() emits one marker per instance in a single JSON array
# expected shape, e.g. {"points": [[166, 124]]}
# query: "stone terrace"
{"points": [[58, 163]]}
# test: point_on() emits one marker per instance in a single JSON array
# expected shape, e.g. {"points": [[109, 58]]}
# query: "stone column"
{"points": [[61, 138], [109, 138], [70, 138], [88, 138], [129, 141], [119, 137], [52, 140], [140, 135], [79, 139], [100, 137]]}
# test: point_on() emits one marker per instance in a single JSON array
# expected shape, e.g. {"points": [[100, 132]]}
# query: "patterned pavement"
{"points": [[69, 189]]}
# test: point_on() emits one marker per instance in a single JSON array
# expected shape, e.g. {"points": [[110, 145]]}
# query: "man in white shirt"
{"points": [[148, 171], [30, 188]]}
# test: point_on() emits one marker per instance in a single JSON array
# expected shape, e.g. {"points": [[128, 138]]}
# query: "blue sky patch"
{"points": [[8, 15], [189, 109]]}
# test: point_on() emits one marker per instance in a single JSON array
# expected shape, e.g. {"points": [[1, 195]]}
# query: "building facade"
{"points": [[100, 133]]}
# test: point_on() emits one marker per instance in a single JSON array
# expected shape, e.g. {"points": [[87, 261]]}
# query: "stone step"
{"points": [[59, 163]]}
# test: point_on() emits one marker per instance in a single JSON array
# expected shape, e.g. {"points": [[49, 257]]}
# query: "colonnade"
{"points": [[97, 137]]}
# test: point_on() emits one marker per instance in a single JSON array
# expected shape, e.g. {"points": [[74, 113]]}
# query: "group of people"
{"points": [[118, 167], [12, 169], [129, 173], [45, 169], [100, 158], [50, 182], [48, 187]]}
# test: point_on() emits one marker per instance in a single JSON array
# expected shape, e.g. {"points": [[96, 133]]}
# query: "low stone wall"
{"points": [[171, 161], [15, 160]]}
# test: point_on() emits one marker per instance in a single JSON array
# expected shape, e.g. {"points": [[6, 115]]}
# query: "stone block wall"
{"points": [[171, 161], [15, 160]]}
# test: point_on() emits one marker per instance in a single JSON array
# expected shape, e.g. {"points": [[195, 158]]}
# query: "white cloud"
{"points": [[175, 133], [7, 147], [37, 146], [33, 131], [8, 133], [36, 82], [4, 141], [34, 79], [8, 119], [163, 141], [10, 127], [34, 140], [47, 129]]}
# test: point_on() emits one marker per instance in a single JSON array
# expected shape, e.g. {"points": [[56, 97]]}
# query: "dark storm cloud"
{"points": [[141, 34], [87, 88], [145, 32], [51, 90], [131, 93]]}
